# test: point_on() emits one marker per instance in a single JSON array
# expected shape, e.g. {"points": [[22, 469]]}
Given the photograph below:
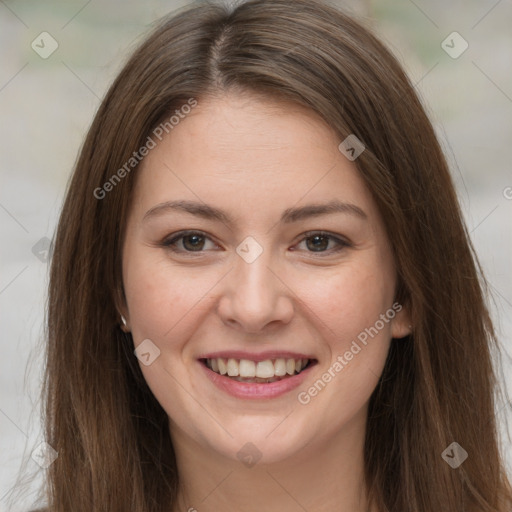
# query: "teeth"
{"points": [[222, 366], [248, 368], [280, 367], [232, 368], [265, 369], [268, 369]]}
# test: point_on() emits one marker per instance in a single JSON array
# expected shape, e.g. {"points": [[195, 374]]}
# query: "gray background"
{"points": [[47, 105]]}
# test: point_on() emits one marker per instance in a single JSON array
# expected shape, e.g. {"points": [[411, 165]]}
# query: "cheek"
{"points": [[147, 295], [351, 301], [150, 294], [163, 299], [349, 308], [163, 304], [349, 316]]}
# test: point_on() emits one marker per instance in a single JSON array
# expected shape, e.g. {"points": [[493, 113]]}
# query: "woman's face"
{"points": [[260, 282]]}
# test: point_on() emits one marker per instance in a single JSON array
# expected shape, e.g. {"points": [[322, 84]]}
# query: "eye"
{"points": [[318, 242], [191, 241], [195, 242]]}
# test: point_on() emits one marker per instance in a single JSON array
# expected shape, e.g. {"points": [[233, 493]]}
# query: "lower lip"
{"points": [[253, 390]]}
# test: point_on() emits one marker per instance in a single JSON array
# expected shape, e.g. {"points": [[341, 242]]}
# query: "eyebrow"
{"points": [[288, 216]]}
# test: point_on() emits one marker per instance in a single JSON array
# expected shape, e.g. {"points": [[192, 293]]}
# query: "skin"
{"points": [[255, 158]]}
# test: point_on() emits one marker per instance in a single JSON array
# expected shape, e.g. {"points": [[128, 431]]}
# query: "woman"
{"points": [[327, 345]]}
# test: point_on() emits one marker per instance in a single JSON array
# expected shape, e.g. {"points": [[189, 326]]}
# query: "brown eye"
{"points": [[192, 241], [318, 242], [195, 242]]}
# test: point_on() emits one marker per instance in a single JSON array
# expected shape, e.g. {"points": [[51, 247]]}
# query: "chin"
{"points": [[262, 445]]}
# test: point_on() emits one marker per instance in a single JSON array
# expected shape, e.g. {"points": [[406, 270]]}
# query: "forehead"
{"points": [[233, 129], [250, 154]]}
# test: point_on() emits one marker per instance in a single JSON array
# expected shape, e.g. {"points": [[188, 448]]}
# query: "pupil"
{"points": [[194, 244], [316, 238]]}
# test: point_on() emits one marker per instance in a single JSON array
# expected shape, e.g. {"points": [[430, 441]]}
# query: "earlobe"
{"points": [[124, 324], [401, 325], [121, 309]]}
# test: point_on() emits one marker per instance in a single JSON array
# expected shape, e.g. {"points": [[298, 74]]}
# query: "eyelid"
{"points": [[175, 237], [341, 242]]}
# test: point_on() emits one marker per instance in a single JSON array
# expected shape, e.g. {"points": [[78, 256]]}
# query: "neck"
{"points": [[325, 475]]}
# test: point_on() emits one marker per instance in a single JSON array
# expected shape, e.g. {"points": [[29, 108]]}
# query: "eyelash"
{"points": [[342, 244]]}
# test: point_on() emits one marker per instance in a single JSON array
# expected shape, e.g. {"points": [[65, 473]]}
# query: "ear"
{"points": [[401, 325], [122, 310]]}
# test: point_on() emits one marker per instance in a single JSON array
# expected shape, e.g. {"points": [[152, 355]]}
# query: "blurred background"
{"points": [[57, 60]]}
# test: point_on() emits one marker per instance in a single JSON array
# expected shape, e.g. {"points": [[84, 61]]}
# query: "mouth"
{"points": [[258, 372]]}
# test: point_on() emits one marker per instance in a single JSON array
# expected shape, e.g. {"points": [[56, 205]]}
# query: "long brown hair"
{"points": [[438, 385]]}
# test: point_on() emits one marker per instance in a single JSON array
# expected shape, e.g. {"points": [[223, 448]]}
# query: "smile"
{"points": [[261, 376], [245, 370]]}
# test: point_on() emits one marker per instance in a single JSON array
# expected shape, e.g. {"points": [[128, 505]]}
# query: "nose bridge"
{"points": [[254, 282], [255, 296]]}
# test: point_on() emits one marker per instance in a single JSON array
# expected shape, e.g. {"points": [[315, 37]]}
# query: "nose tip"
{"points": [[254, 297]]}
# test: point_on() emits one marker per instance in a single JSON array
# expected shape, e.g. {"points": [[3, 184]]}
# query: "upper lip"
{"points": [[252, 356]]}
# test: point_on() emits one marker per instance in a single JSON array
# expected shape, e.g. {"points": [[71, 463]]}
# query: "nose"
{"points": [[255, 298]]}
